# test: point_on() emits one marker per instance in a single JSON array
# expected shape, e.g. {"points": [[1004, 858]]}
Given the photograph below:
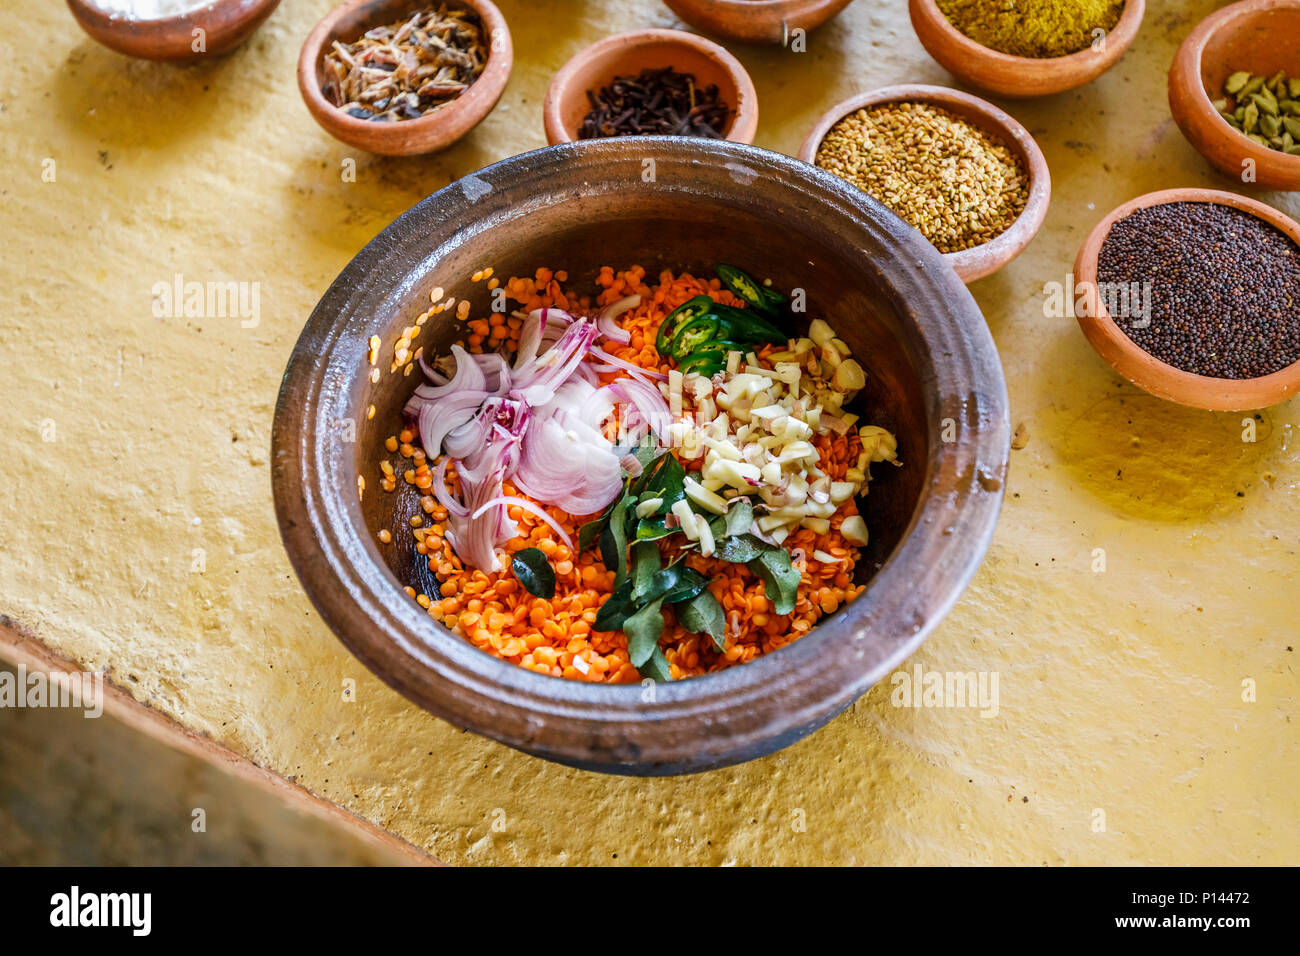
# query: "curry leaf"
{"points": [[645, 564], [613, 541], [779, 576], [703, 614], [657, 667], [677, 583], [534, 572], [653, 528], [667, 483], [740, 518], [589, 533], [643, 630], [615, 610], [742, 548]]}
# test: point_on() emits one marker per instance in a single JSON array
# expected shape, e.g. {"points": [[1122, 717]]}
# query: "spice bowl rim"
{"points": [[744, 119], [226, 24], [1192, 105], [1139, 366], [986, 259], [755, 21], [722, 718], [1019, 77], [427, 134]]}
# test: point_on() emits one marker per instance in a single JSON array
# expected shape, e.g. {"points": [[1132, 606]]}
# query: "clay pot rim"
{"points": [[1119, 39], [339, 564], [1142, 368], [429, 133], [226, 24], [744, 119], [1203, 126], [978, 261], [755, 21]]}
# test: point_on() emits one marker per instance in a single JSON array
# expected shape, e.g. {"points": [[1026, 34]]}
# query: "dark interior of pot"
{"points": [[843, 286]]}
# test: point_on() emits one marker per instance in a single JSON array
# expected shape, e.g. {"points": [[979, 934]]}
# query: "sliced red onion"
{"points": [[636, 371], [438, 419], [506, 500], [609, 328], [647, 401], [440, 492]]}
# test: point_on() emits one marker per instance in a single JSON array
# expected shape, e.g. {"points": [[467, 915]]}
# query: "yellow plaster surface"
{"points": [[137, 533]]}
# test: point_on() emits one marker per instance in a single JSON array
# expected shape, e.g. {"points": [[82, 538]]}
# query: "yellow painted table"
{"points": [[1146, 711]]}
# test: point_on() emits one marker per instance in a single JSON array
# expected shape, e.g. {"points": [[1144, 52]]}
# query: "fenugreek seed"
{"points": [[385, 536], [374, 375], [954, 182], [435, 296]]}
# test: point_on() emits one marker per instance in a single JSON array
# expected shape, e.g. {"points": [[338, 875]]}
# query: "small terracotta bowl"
{"points": [[1259, 36], [929, 359], [980, 261], [1019, 76], [1145, 370], [225, 25], [430, 133], [567, 105], [756, 21]]}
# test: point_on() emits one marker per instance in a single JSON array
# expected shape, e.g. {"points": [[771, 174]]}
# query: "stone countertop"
{"points": [[1145, 712]]}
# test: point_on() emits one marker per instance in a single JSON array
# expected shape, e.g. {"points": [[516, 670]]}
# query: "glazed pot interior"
{"points": [[683, 233], [1258, 41]]}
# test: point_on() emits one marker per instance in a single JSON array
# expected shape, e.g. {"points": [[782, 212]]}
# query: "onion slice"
{"points": [[609, 328]]}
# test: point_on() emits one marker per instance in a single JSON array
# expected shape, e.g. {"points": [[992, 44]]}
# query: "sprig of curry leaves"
{"points": [[642, 585]]}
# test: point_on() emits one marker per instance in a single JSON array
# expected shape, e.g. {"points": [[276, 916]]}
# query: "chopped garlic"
{"points": [[687, 519], [705, 534], [648, 507], [854, 530], [703, 497]]}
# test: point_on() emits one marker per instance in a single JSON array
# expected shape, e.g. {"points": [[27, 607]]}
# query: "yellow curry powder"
{"points": [[1033, 28]]}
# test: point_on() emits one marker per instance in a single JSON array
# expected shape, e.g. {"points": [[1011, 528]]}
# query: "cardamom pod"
{"points": [[1292, 125], [1253, 85], [1270, 126], [1266, 102], [1236, 82], [1250, 121], [1293, 87]]}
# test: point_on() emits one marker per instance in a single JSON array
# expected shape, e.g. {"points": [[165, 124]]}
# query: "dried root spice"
{"points": [[1265, 108], [659, 102], [407, 69], [1223, 288], [953, 181], [1040, 29]]}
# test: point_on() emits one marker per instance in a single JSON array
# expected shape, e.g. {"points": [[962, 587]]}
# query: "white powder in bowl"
{"points": [[149, 9]]}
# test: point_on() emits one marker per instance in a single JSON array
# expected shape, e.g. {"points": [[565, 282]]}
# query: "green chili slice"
{"points": [[687, 312]]}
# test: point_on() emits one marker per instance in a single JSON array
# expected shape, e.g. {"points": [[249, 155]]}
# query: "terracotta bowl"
{"points": [[969, 264], [1260, 36], [566, 103], [929, 358], [428, 134], [1019, 76], [1145, 370], [225, 25], [756, 21]]}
